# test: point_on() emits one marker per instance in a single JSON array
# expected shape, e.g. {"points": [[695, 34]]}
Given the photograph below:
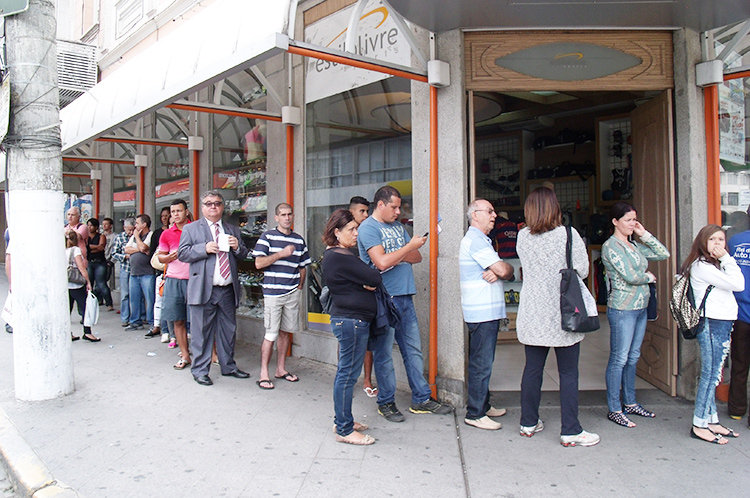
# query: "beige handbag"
{"points": [[156, 264]]}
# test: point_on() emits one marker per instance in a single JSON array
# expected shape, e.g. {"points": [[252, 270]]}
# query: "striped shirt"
{"points": [[481, 301], [283, 276]]}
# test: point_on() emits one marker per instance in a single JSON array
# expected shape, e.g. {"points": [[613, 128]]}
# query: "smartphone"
{"points": [[426, 234]]}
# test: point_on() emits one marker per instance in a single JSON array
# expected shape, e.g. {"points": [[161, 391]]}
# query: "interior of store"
{"points": [[579, 143]]}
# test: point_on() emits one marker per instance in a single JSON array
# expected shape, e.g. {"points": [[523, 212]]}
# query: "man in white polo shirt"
{"points": [[483, 303]]}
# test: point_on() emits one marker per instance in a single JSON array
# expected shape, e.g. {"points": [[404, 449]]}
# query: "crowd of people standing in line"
{"points": [[367, 267]]}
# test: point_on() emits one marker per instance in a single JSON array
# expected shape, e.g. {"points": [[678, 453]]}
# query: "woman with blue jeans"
{"points": [[351, 284], [709, 264], [626, 262]]}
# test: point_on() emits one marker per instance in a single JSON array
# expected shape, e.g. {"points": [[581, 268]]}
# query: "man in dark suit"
{"points": [[212, 248]]}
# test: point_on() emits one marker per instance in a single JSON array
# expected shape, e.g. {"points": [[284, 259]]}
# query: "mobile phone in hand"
{"points": [[426, 234]]}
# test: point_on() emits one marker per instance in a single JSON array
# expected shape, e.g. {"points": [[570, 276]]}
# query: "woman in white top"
{"points": [[77, 292], [710, 264]]}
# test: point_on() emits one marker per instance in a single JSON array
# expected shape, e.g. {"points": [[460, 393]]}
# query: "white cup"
{"points": [[224, 242]]}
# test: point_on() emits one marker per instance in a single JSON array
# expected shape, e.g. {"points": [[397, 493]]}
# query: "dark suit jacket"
{"points": [[192, 250]]}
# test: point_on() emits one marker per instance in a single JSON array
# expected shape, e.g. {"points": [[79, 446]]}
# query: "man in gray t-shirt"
{"points": [[142, 278]]}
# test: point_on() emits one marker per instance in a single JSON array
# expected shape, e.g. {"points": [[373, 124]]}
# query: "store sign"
{"points": [[568, 61], [378, 37]]}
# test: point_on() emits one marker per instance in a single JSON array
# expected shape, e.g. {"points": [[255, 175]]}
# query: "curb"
{"points": [[29, 474]]}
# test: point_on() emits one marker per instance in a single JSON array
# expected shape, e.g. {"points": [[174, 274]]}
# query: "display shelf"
{"points": [[614, 170], [565, 144]]}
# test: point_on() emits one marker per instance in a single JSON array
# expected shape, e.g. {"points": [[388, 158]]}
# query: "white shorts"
{"points": [[281, 313]]}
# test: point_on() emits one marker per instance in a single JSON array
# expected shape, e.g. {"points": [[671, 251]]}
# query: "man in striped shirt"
{"points": [[483, 303], [284, 257]]}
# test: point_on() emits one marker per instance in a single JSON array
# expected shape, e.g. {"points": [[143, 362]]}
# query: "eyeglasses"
{"points": [[209, 204], [490, 211]]}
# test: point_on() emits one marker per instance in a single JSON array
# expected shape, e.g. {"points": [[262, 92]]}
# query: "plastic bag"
{"points": [[92, 311]]}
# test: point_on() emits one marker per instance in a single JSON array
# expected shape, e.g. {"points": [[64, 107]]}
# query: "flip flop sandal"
{"points": [[266, 388], [365, 441], [371, 392], [715, 440], [181, 364], [289, 377], [731, 433], [357, 427]]}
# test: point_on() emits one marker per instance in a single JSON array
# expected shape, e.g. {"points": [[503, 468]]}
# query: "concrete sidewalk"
{"points": [[137, 428]]}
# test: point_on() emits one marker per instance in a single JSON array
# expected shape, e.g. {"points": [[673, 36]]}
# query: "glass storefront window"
{"points": [[239, 172], [357, 141], [734, 154]]}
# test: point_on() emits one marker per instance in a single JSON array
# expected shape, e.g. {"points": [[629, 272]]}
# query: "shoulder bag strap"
{"points": [[569, 248], [702, 308]]}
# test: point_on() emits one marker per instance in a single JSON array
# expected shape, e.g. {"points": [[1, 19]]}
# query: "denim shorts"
{"points": [[174, 302]]}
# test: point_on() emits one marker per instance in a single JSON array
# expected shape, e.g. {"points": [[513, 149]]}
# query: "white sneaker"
{"points": [[165, 337], [582, 439], [496, 412], [484, 423], [530, 431]]}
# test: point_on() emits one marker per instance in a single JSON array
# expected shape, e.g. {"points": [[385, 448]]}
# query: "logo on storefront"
{"points": [[568, 61]]}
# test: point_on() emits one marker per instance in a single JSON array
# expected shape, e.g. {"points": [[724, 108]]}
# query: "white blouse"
{"points": [[721, 304]]}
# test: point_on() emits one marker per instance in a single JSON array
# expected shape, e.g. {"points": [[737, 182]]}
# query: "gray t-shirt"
{"points": [[140, 262]]}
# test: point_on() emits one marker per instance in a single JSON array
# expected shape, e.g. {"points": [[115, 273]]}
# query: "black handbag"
{"points": [[74, 274], [652, 312], [576, 302]]}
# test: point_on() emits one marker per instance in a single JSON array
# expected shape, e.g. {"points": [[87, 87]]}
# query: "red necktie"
{"points": [[223, 258]]}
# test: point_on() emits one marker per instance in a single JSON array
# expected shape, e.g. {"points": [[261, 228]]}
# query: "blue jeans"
{"points": [[627, 328], [124, 296], [713, 340], [98, 274], [531, 386], [142, 288], [352, 335], [482, 342], [410, 344]]}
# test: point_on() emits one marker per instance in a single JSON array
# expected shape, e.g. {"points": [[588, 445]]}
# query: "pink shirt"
{"points": [[83, 236], [168, 242]]}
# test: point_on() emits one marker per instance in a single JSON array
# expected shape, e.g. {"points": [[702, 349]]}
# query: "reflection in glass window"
{"points": [[357, 141]]}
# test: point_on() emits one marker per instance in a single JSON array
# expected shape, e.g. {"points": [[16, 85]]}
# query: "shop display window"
{"points": [[357, 142]]}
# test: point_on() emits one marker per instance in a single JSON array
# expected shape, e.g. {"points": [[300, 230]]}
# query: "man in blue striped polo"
{"points": [[283, 254], [483, 303]]}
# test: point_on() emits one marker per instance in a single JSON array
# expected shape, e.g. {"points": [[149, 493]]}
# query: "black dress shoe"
{"points": [[237, 373], [204, 380]]}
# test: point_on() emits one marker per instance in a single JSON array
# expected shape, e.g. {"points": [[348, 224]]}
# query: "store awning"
{"points": [[700, 15], [225, 37]]}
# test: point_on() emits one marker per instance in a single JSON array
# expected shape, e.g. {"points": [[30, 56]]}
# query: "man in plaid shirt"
{"points": [[118, 254]]}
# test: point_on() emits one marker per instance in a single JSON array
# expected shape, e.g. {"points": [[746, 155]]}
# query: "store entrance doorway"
{"points": [[593, 148]]}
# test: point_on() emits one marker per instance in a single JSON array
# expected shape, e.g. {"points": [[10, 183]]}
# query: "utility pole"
{"points": [[43, 361]]}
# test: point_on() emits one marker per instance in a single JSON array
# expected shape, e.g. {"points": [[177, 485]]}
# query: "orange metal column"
{"points": [[711, 111], [290, 165], [141, 190], [433, 240], [96, 198], [196, 183]]}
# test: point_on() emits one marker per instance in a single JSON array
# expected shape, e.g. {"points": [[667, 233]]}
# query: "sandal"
{"points": [[365, 441], [371, 392], [289, 377], [716, 440], [180, 365], [357, 427], [730, 432], [638, 409], [87, 338], [620, 419], [265, 384]]}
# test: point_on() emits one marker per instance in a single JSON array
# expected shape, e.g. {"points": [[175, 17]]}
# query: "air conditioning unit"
{"points": [[531, 124], [77, 70]]}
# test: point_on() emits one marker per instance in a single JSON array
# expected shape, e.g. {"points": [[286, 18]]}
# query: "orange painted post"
{"points": [[735, 76], [290, 190], [96, 198], [196, 182], [711, 111], [433, 357], [141, 190]]}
